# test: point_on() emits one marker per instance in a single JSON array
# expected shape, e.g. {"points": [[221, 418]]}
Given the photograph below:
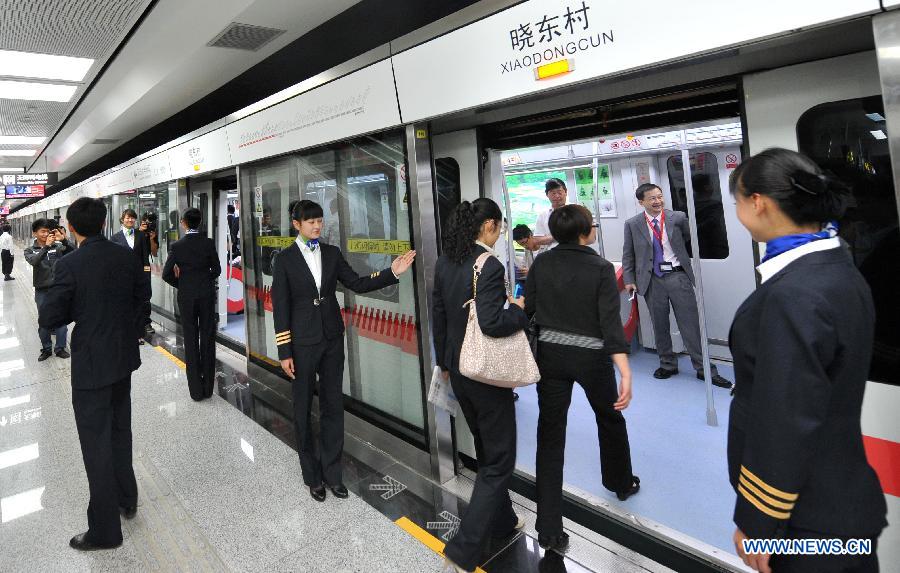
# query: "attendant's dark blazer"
{"points": [[141, 246], [802, 344], [303, 316], [198, 265], [452, 288], [100, 287]]}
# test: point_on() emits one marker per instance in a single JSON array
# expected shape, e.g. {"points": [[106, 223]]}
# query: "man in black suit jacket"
{"points": [[192, 267], [100, 288], [139, 242], [308, 333]]}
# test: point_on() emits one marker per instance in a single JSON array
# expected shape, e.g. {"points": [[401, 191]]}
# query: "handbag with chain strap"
{"points": [[506, 361]]}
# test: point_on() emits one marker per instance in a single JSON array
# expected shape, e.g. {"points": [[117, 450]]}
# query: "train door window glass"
{"points": [[849, 138], [711, 232], [448, 190], [153, 203]]}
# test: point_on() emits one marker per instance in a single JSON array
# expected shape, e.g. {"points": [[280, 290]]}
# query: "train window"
{"points": [[526, 195], [711, 233], [448, 187], [849, 138]]}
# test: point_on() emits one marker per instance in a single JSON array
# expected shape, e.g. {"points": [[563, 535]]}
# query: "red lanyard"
{"points": [[662, 226]]}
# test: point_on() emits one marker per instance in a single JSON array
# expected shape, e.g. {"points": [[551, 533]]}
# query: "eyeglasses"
{"points": [[595, 225]]}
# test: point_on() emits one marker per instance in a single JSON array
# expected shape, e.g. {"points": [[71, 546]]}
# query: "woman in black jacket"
{"points": [[572, 295], [802, 345], [472, 229]]}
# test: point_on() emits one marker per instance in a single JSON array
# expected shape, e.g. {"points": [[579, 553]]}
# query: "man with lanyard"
{"points": [[656, 264], [555, 190]]}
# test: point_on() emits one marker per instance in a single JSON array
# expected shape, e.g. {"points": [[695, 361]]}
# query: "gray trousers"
{"points": [[675, 289]]}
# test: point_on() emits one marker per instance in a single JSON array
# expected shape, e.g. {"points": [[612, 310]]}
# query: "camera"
{"points": [[152, 220]]}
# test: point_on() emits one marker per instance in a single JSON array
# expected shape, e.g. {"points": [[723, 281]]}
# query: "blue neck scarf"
{"points": [[312, 244], [786, 243]]}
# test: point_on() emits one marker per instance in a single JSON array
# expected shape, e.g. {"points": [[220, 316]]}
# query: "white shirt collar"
{"points": [[487, 248], [304, 247], [774, 265]]}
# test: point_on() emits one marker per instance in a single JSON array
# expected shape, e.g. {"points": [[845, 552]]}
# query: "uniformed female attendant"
{"points": [[802, 344], [309, 334]]}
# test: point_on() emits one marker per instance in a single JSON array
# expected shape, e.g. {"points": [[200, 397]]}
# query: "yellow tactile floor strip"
{"points": [[170, 356], [427, 539]]}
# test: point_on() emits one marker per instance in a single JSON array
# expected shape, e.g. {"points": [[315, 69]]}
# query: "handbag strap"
{"points": [[476, 271]]}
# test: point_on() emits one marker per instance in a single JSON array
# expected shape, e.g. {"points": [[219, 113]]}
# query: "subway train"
{"points": [[390, 142]]}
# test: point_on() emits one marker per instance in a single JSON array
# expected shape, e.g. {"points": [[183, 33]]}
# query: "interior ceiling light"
{"points": [[12, 170], [878, 134], [35, 91], [21, 140], [875, 116], [44, 66], [17, 152]]}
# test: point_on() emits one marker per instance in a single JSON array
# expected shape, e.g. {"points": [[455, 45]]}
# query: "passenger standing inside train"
{"points": [[472, 229], [802, 344], [572, 295], [309, 332], [6, 249], [50, 245], [556, 191], [139, 243], [100, 288], [192, 267], [656, 264]]}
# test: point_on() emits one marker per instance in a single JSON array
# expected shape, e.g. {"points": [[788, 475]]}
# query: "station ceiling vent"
{"points": [[245, 37]]}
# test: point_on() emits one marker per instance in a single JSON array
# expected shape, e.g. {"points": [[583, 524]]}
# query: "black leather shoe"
{"points": [[558, 543], [62, 353], [716, 381], [9, 278], [635, 487], [317, 493], [339, 491], [45, 354], [80, 543], [129, 511], [663, 373]]}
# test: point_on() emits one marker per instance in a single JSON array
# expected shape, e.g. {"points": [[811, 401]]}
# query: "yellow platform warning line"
{"points": [[427, 539], [170, 356]]}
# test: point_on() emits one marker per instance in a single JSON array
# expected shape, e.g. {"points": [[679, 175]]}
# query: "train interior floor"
{"points": [[219, 483]]}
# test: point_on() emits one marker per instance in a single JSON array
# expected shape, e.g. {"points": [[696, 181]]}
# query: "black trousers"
{"points": [[7, 262], [560, 367], [198, 321], [491, 415], [145, 306], [103, 419], [824, 563], [320, 460]]}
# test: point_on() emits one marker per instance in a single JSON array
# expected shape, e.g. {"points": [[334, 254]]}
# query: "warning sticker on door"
{"points": [[731, 161], [377, 246], [274, 241]]}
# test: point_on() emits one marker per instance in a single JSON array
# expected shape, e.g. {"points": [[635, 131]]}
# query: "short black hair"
{"points": [[643, 188], [553, 183], [231, 209], [521, 232], [87, 215], [126, 212], [305, 210], [569, 223], [43, 224], [192, 218]]}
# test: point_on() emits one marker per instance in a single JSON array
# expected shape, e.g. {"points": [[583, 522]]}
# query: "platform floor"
{"points": [[219, 483]]}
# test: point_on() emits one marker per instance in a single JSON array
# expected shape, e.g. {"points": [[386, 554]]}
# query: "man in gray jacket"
{"points": [[656, 263], [50, 244]]}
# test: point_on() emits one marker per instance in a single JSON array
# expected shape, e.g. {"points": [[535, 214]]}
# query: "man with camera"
{"points": [[50, 245]]}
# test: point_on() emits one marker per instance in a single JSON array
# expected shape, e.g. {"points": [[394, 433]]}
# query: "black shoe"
{"points": [[62, 353], [716, 381], [9, 278], [317, 493], [339, 491], [141, 341], [45, 354], [558, 543], [80, 543], [635, 487], [149, 330], [663, 373], [129, 511]]}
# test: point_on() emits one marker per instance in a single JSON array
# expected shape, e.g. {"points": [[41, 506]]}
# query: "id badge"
{"points": [[666, 267]]}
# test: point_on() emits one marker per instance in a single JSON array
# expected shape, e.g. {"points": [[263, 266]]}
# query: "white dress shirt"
{"points": [[668, 253], [6, 242], [313, 261], [542, 229], [771, 267], [129, 237]]}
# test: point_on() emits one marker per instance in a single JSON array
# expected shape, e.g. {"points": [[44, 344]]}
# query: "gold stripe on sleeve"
{"points": [[772, 490], [761, 506], [766, 498]]}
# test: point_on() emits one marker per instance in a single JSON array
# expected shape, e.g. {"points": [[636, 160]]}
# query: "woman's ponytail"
{"points": [[460, 233]]}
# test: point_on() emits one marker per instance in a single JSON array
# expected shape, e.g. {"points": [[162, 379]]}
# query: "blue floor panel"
{"points": [[681, 461]]}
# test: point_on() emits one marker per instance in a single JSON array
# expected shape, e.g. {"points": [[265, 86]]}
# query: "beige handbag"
{"points": [[506, 362]]}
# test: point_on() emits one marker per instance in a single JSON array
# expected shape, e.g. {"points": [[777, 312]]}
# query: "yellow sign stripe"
{"points": [[774, 491], [170, 356], [275, 241], [377, 246], [766, 498], [761, 506], [427, 539]]}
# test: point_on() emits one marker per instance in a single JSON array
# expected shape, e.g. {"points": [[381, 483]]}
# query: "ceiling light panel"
{"points": [[17, 152], [21, 140], [36, 91], [43, 66]]}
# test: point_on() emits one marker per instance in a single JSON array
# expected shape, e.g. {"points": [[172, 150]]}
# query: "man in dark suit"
{"points": [[656, 263], [309, 334], [100, 287], [139, 242], [192, 268]]}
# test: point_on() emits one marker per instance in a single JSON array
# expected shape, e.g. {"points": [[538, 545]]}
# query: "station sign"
{"points": [[24, 191], [49, 178]]}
